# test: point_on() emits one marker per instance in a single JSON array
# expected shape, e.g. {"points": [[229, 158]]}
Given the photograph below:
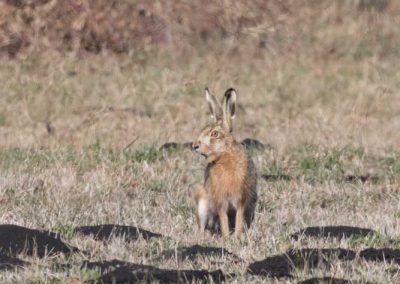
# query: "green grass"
{"points": [[147, 153], [315, 165], [89, 274], [87, 158], [155, 186], [373, 240]]}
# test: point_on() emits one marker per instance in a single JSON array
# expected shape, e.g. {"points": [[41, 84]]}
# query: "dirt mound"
{"points": [[332, 232], [327, 280], [108, 231], [282, 265], [250, 143], [281, 177], [381, 255], [7, 262], [108, 266], [361, 179], [191, 253], [169, 146], [161, 276], [16, 239], [273, 266]]}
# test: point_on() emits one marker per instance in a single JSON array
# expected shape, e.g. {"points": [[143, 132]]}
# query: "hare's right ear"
{"points": [[229, 108], [214, 105]]}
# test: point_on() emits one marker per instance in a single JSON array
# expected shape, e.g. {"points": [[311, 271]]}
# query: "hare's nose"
{"points": [[195, 146]]}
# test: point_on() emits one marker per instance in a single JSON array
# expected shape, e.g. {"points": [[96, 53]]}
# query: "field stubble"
{"points": [[80, 141]]}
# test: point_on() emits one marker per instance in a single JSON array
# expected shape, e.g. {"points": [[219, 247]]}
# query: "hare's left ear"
{"points": [[229, 108]]}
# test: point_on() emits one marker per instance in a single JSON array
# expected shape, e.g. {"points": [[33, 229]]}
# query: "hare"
{"points": [[226, 201]]}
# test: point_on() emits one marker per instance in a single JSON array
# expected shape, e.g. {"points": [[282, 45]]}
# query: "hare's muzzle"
{"points": [[195, 146]]}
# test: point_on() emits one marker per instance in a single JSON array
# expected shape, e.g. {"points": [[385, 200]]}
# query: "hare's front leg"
{"points": [[223, 220], [239, 222], [202, 214]]}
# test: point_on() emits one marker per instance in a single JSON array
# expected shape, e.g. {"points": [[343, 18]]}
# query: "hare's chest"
{"points": [[226, 185]]}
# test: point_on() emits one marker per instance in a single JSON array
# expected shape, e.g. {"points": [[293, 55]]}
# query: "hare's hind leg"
{"points": [[239, 224], [223, 220]]}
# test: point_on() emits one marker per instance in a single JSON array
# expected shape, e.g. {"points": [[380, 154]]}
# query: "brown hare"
{"points": [[226, 201]]}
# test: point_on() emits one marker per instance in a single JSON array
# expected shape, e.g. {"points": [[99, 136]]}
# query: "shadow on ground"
{"points": [[109, 231], [16, 239], [191, 253], [124, 272], [332, 232], [277, 177]]}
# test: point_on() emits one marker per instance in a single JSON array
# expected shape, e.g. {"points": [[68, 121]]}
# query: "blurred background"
{"points": [[90, 90], [116, 71]]}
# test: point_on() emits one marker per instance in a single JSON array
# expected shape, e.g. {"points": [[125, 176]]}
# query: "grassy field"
{"points": [[80, 139]]}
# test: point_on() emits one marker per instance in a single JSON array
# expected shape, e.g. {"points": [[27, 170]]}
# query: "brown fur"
{"points": [[228, 197]]}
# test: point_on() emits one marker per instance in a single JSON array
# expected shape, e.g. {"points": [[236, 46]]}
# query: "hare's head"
{"points": [[216, 138]]}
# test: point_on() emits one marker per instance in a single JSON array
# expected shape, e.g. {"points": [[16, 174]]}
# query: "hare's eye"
{"points": [[214, 134]]}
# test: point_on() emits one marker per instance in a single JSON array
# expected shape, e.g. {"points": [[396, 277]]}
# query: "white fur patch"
{"points": [[205, 140], [202, 211]]}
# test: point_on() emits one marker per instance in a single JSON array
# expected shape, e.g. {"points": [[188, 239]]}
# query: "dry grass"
{"points": [[322, 91], [64, 188]]}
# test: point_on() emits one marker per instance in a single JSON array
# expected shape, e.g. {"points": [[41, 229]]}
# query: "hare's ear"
{"points": [[215, 106], [229, 108]]}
